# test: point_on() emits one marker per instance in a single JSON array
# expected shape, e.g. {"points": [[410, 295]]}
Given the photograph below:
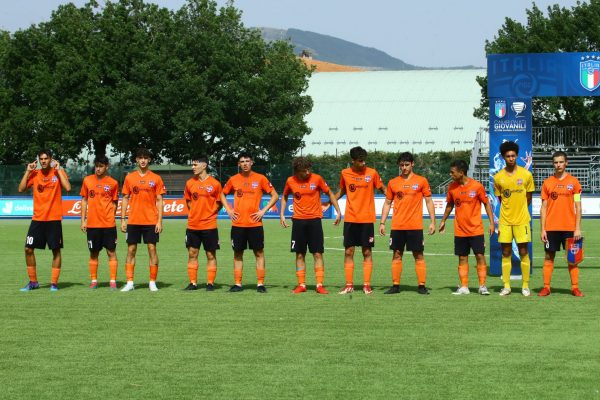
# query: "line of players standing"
{"points": [[143, 190]]}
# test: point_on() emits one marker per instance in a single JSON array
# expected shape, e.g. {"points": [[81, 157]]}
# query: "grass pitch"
{"points": [[84, 344]]}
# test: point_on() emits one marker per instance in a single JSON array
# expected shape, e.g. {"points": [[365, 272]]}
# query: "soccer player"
{"points": [[307, 230], [143, 192], [407, 192], [203, 198], [99, 197], [358, 183], [246, 214], [466, 195], [560, 218], [46, 223], [513, 185]]}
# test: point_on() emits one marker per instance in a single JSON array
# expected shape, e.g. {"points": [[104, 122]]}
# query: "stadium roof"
{"points": [[416, 111]]}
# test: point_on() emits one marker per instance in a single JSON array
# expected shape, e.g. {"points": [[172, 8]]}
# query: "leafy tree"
{"points": [[559, 30]]}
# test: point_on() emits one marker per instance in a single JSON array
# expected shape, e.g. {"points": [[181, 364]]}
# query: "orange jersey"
{"points": [[307, 196], [248, 193], [408, 195], [467, 200], [203, 197], [101, 194], [142, 192], [560, 202], [47, 195], [360, 192]]}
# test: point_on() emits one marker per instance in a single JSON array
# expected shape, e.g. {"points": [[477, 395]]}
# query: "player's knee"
{"points": [[29, 251]]}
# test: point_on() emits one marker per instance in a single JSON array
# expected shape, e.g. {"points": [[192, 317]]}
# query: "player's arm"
{"points": [[62, 176], [577, 233], [431, 211], [257, 216], [84, 206], [28, 170], [543, 214], [385, 210], [382, 189], [232, 214], [284, 199], [490, 214], [124, 205], [159, 208], [529, 197], [336, 206], [447, 211]]}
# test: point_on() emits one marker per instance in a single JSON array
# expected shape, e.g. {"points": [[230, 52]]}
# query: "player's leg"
{"points": [[548, 268], [396, 269], [133, 236], [367, 253], [462, 249], [573, 268], [481, 272], [93, 268], [239, 242], [298, 245], [35, 239], [113, 267], [319, 272], [259, 255], [55, 243], [349, 244], [525, 268], [505, 238], [211, 269], [421, 271], [153, 256], [192, 267], [313, 235], [300, 272]]}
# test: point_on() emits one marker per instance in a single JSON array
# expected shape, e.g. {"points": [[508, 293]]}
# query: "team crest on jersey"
{"points": [[151, 184], [472, 194], [519, 181], [106, 188], [209, 188], [312, 186], [368, 178], [54, 179], [570, 187], [415, 186], [254, 185]]}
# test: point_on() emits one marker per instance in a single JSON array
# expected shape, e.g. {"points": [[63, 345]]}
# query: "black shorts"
{"points": [[41, 233], [209, 238], [358, 234], [307, 232], [243, 238], [411, 239], [463, 245], [135, 233], [556, 239], [99, 238]]}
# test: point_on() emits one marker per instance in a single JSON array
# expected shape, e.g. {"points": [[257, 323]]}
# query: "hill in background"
{"points": [[339, 51]]}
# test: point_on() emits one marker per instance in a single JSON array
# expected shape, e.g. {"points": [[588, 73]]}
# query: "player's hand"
{"points": [[382, 229], [232, 214], [337, 219], [544, 236], [123, 226], [158, 228], [282, 222], [492, 228], [442, 228], [577, 234], [83, 226], [31, 166], [431, 229], [257, 216], [325, 205], [55, 164]]}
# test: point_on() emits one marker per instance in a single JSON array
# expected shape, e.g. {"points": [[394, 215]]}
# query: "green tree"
{"points": [[560, 29]]}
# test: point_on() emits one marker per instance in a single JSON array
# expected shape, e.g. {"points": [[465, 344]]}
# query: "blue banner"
{"points": [[543, 75], [510, 120]]}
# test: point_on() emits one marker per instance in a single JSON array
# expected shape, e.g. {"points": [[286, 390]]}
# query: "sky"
{"points": [[433, 33]]}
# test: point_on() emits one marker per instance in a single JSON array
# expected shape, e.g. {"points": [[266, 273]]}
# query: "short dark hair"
{"points": [[460, 165], [143, 153], [508, 146], [101, 160], [301, 163], [200, 158], [357, 153], [406, 156], [47, 152], [560, 154], [244, 154]]}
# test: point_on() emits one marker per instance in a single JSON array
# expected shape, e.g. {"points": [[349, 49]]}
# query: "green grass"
{"points": [[85, 344]]}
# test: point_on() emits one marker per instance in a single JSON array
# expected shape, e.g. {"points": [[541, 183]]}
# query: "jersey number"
{"points": [[90, 245], [293, 244], [29, 240]]}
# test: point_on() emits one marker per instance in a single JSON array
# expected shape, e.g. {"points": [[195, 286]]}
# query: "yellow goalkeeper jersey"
{"points": [[513, 189]]}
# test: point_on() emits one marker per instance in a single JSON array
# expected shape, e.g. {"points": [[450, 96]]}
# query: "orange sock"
{"points": [[153, 272], [396, 271], [349, 271], [481, 273], [319, 275], [32, 272], [129, 268], [367, 272], [211, 273], [421, 270], [55, 275], [192, 271], [260, 276], [93, 265], [113, 267], [463, 274], [301, 275], [547, 272], [237, 276], [574, 272]]}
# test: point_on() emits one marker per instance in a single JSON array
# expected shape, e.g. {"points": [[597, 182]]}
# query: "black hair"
{"points": [[301, 163], [47, 152], [143, 153], [509, 146], [200, 158], [358, 153], [244, 154], [101, 160], [560, 154], [404, 157], [460, 165]]}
